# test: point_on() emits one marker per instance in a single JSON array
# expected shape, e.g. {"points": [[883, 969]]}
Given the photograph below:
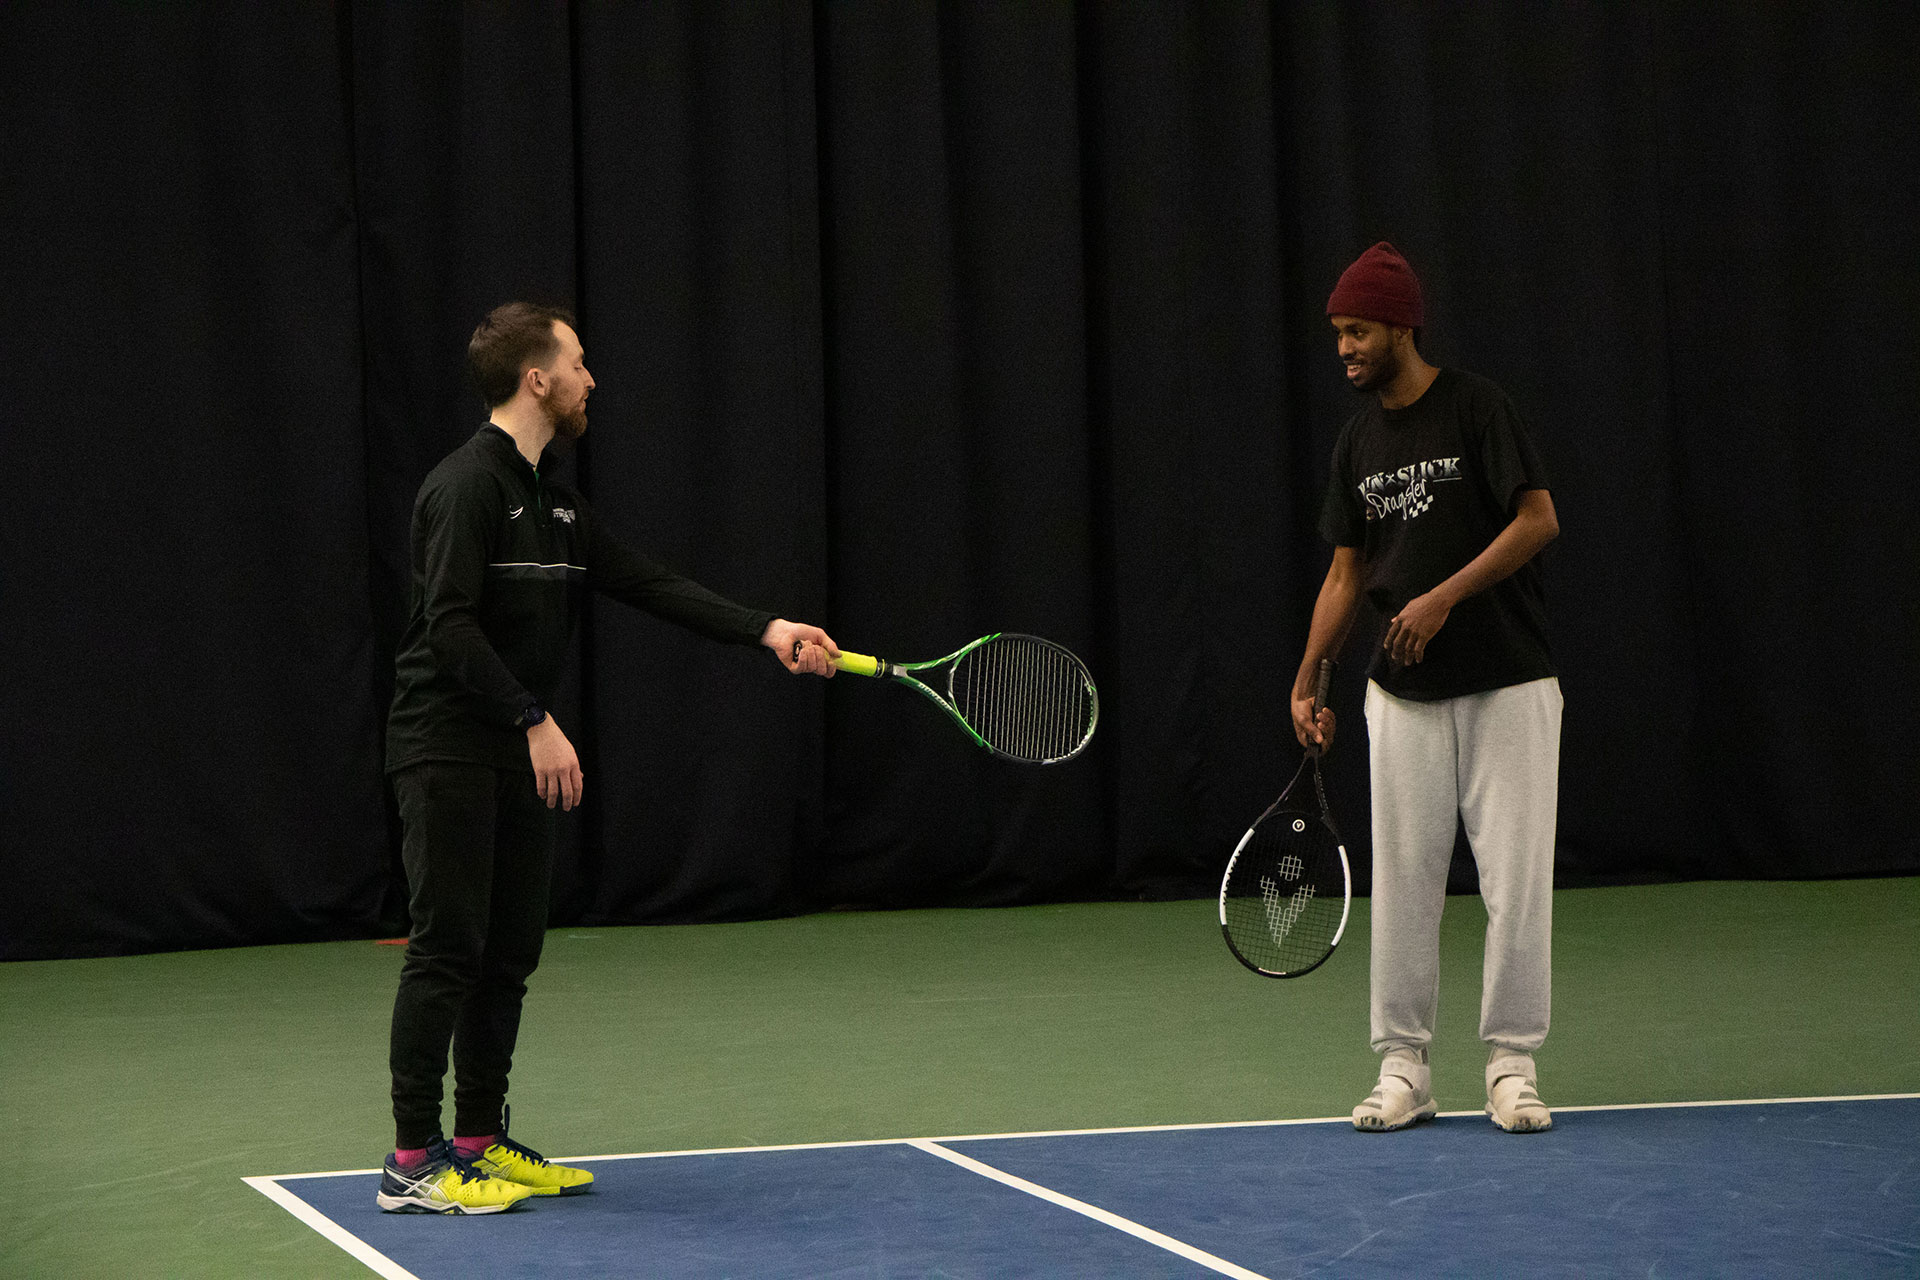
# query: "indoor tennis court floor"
{"points": [[1149, 1074], [1802, 1187]]}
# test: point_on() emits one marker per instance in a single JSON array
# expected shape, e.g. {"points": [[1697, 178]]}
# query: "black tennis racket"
{"points": [[1022, 698], [1284, 899]]}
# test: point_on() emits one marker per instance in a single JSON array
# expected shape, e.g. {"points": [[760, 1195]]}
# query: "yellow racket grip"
{"points": [[859, 664]]}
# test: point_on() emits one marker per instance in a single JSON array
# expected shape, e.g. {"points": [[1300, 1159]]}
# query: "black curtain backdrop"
{"points": [[921, 321]]}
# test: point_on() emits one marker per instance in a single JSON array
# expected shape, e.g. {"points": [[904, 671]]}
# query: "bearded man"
{"points": [[502, 560], [1437, 508]]}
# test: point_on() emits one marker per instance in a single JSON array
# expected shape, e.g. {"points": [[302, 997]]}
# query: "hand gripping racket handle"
{"points": [[857, 663], [1322, 684]]}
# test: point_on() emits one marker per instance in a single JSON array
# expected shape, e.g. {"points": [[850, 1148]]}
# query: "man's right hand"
{"points": [[556, 767], [1315, 733]]}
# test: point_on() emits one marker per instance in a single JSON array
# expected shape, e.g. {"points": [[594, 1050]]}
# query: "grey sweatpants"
{"points": [[1494, 759]]}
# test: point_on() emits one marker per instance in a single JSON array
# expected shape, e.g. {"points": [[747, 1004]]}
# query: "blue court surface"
{"points": [[1827, 1187]]}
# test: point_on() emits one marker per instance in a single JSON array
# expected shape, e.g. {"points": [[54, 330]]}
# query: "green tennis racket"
{"points": [[1021, 697]]}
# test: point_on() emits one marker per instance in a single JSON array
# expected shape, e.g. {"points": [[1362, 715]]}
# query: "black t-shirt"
{"points": [[1422, 491]]}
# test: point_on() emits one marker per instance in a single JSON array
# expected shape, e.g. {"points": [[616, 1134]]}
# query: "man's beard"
{"points": [[572, 424], [1376, 374]]}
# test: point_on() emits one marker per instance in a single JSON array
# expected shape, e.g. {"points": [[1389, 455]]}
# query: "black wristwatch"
{"points": [[531, 716]]}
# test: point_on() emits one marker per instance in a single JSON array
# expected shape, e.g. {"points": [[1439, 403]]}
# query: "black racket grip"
{"points": [[1323, 685]]}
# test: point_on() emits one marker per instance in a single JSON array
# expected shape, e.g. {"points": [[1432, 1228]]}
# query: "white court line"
{"points": [[1742, 1102], [1098, 1214], [1729, 1102], [362, 1252], [1275, 1124]]}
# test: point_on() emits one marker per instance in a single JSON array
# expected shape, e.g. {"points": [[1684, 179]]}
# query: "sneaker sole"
{"points": [[1519, 1127], [413, 1204], [1381, 1126]]}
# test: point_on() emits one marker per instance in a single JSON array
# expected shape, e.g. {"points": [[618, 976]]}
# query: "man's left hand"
{"points": [[1414, 626], [802, 649]]}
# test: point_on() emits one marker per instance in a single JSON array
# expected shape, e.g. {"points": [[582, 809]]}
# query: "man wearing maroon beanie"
{"points": [[1436, 508]]}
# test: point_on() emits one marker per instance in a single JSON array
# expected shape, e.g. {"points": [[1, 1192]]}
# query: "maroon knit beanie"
{"points": [[1379, 286]]}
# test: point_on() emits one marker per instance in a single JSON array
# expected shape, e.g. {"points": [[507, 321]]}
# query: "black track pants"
{"points": [[478, 848]]}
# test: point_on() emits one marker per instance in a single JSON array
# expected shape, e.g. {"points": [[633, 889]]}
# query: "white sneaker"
{"points": [[1513, 1099], [1404, 1095]]}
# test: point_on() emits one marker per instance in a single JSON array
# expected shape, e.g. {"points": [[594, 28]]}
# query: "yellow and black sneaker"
{"points": [[509, 1160], [445, 1184]]}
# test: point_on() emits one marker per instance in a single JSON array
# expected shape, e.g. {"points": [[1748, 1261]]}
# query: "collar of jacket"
{"points": [[504, 444]]}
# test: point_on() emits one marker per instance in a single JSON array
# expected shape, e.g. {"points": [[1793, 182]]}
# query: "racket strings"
{"points": [[1025, 697], [1281, 918], [1285, 898]]}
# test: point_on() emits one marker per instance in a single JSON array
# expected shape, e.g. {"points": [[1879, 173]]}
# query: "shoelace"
{"points": [[525, 1153], [462, 1166], [506, 1126]]}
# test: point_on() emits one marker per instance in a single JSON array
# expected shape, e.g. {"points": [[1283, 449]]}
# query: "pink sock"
{"points": [[408, 1157], [471, 1147]]}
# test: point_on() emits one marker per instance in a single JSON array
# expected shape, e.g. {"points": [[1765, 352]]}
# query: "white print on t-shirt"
{"points": [[1405, 490], [564, 514]]}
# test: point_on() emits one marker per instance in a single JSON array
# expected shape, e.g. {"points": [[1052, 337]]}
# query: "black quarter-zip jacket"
{"points": [[502, 561]]}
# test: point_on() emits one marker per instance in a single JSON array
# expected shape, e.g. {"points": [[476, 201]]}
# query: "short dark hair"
{"points": [[512, 339]]}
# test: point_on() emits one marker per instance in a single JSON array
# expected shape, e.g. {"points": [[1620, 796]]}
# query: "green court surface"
{"points": [[154, 1084]]}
